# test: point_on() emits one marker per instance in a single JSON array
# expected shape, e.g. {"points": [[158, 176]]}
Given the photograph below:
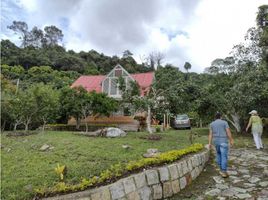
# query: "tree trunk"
{"points": [[235, 122], [15, 126], [44, 124], [78, 121], [201, 124], [26, 124], [86, 127], [3, 126], [148, 120]]}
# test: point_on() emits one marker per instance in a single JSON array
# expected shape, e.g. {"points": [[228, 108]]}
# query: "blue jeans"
{"points": [[222, 155]]}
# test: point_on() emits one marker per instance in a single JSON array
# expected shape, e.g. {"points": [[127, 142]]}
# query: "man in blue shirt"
{"points": [[220, 133]]}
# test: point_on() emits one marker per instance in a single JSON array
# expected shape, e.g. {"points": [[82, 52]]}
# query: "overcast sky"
{"points": [[197, 31]]}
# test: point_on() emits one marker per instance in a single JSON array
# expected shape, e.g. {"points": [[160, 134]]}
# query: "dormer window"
{"points": [[118, 72], [110, 84]]}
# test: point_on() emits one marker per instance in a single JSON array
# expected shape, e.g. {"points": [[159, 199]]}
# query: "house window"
{"points": [[113, 86], [118, 72]]}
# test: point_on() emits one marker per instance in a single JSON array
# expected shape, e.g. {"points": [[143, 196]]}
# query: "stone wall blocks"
{"points": [[157, 191], [167, 189], [163, 173], [129, 185], [117, 190], [173, 170], [152, 177]]}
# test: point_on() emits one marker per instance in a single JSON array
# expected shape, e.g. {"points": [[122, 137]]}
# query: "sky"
{"points": [[195, 31]]}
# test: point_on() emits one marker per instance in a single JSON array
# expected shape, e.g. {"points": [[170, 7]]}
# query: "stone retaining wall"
{"points": [[156, 183]]}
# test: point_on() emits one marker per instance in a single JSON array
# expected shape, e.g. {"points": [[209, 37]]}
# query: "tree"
{"points": [[9, 53], [52, 36], [47, 100], [155, 59], [127, 54], [36, 37], [187, 66], [70, 103], [21, 28], [78, 103]]}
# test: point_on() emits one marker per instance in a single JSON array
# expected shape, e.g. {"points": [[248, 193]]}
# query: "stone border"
{"points": [[155, 183]]}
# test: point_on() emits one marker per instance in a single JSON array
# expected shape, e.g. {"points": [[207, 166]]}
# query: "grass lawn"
{"points": [[24, 166]]}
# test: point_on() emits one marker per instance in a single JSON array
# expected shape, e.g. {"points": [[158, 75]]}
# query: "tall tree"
{"points": [[53, 36], [21, 28], [187, 66]]}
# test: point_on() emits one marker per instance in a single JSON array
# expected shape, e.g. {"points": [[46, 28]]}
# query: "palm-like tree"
{"points": [[187, 66]]}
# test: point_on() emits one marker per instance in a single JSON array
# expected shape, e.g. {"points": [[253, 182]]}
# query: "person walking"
{"points": [[256, 128], [219, 134]]}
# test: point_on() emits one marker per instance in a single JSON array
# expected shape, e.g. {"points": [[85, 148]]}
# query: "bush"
{"points": [[118, 170]]}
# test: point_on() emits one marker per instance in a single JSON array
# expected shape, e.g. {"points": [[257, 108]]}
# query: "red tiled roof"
{"points": [[144, 80], [91, 83]]}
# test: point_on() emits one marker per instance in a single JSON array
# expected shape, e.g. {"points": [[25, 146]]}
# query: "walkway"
{"points": [[248, 170]]}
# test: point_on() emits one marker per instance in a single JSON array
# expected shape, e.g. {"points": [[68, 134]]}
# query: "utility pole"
{"points": [[17, 85]]}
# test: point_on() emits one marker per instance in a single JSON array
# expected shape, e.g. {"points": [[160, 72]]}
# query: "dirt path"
{"points": [[248, 170]]}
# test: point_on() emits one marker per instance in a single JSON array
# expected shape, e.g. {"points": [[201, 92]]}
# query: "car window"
{"points": [[182, 117]]}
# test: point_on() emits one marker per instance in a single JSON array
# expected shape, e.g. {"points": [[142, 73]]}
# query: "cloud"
{"points": [[196, 31]]}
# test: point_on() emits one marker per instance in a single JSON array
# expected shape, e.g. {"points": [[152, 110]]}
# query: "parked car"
{"points": [[182, 121]]}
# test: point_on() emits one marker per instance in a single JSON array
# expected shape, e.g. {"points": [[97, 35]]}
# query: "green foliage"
{"points": [[88, 63], [61, 171]]}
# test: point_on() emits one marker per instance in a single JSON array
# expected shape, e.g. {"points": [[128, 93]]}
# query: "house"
{"points": [[108, 84]]}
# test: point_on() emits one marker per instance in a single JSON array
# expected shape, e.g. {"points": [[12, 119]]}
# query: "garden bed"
{"points": [[25, 168]]}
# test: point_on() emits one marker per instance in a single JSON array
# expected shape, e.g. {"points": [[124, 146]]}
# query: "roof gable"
{"points": [[94, 83]]}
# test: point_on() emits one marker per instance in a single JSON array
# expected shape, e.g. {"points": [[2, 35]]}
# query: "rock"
{"points": [[222, 186], [265, 172], [145, 193], [232, 172], [243, 196], [129, 185], [167, 189], [51, 148], [164, 174], [213, 192], [221, 198], [140, 180], [44, 147], [117, 190], [239, 190], [264, 184], [151, 153], [152, 177], [249, 185], [237, 181], [157, 191], [264, 158], [218, 179], [244, 171], [115, 132], [28, 188], [228, 193], [125, 146], [253, 179]]}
